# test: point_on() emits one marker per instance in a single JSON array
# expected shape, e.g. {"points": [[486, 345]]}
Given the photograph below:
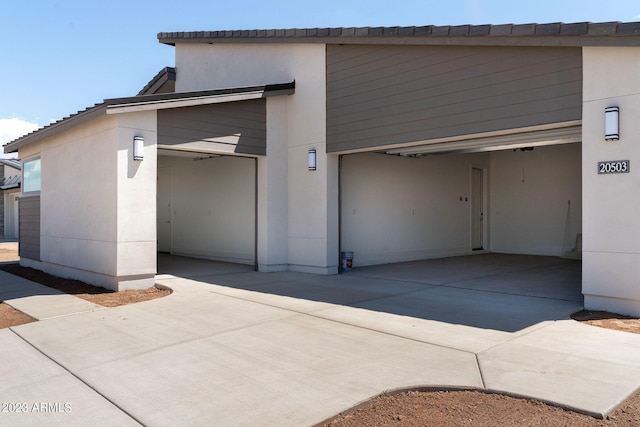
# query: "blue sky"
{"points": [[61, 56]]}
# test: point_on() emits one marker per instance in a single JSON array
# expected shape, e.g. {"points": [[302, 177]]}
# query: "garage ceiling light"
{"points": [[540, 138]]}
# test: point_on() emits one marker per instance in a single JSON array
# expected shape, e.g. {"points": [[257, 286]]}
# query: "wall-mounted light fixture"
{"points": [[138, 148], [611, 122], [312, 159]]}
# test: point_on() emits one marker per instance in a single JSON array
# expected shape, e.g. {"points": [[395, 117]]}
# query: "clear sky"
{"points": [[61, 56]]}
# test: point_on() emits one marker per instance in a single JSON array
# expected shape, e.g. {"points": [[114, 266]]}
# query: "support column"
{"points": [[611, 208]]}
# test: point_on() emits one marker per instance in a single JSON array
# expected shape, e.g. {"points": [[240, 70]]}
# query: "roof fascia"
{"points": [[521, 41], [55, 128], [549, 34], [189, 99]]}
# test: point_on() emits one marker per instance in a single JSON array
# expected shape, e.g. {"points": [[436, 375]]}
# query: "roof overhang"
{"points": [[152, 102], [178, 100], [551, 34]]}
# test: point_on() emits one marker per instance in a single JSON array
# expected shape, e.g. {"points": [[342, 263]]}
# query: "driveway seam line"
{"points": [[344, 323], [484, 386], [519, 270], [78, 378]]}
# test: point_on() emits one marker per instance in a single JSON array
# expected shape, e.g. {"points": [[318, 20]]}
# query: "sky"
{"points": [[60, 56]]}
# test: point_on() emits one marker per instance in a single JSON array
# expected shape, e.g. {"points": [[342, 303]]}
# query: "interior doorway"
{"points": [[164, 210], [477, 209]]}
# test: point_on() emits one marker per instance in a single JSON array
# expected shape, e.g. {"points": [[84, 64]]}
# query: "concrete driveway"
{"points": [[234, 347]]}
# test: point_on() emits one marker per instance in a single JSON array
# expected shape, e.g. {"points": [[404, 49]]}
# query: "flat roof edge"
{"points": [[553, 34]]}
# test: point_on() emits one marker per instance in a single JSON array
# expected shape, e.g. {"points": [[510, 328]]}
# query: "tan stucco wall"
{"points": [[311, 217], [611, 210]]}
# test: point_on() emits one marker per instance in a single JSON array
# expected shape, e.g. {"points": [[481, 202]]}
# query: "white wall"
{"points": [[10, 172], [310, 197], [401, 209], [10, 213], [213, 207], [611, 247], [97, 203], [529, 192]]}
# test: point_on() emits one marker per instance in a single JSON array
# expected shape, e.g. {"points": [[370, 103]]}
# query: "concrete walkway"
{"points": [[235, 347]]}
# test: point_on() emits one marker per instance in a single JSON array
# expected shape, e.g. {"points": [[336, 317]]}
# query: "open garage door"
{"points": [[423, 202], [206, 206]]}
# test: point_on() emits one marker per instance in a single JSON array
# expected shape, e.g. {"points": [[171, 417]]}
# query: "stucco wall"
{"points": [[97, 205], [611, 248], [11, 213], [212, 207], [309, 196], [530, 193]]}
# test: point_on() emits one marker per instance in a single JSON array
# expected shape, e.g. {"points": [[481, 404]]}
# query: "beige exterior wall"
{"points": [[97, 204], [310, 197], [611, 247]]}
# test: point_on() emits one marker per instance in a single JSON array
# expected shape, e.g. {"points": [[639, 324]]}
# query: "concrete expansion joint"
{"points": [[72, 314], [484, 386], [75, 376], [317, 316], [519, 270], [513, 338]]}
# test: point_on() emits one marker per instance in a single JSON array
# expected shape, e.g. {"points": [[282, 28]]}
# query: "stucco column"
{"points": [[272, 191], [611, 207]]}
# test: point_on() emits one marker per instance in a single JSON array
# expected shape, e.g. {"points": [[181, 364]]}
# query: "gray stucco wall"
{"points": [[379, 95]]}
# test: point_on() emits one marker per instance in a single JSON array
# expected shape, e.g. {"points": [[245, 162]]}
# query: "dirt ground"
{"points": [[406, 409], [478, 409], [82, 290]]}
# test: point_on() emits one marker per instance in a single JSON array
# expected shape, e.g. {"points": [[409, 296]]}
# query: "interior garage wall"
{"points": [[401, 209], [212, 207], [529, 196]]}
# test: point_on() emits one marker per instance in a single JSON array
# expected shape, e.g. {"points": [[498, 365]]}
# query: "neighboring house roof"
{"points": [[12, 181], [16, 164], [163, 82], [152, 102], [554, 34]]}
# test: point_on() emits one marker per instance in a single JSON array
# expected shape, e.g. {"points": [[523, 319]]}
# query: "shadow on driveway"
{"points": [[490, 291]]}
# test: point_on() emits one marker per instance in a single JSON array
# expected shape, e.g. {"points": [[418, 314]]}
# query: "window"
{"points": [[31, 175]]}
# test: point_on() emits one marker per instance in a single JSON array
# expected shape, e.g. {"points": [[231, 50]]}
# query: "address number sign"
{"points": [[613, 166]]}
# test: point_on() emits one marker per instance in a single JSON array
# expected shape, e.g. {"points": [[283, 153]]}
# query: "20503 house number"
{"points": [[613, 166]]}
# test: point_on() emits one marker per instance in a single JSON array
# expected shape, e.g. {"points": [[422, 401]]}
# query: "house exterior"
{"points": [[285, 148], [10, 179]]}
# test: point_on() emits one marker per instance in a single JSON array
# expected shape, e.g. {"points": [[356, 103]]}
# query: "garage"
{"points": [[397, 208], [207, 206], [207, 180]]}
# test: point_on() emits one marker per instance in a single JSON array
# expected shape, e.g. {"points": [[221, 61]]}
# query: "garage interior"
{"points": [[442, 200], [206, 206]]}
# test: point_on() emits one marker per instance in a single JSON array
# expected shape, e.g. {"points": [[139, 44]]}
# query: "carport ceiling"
{"points": [[512, 141]]}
